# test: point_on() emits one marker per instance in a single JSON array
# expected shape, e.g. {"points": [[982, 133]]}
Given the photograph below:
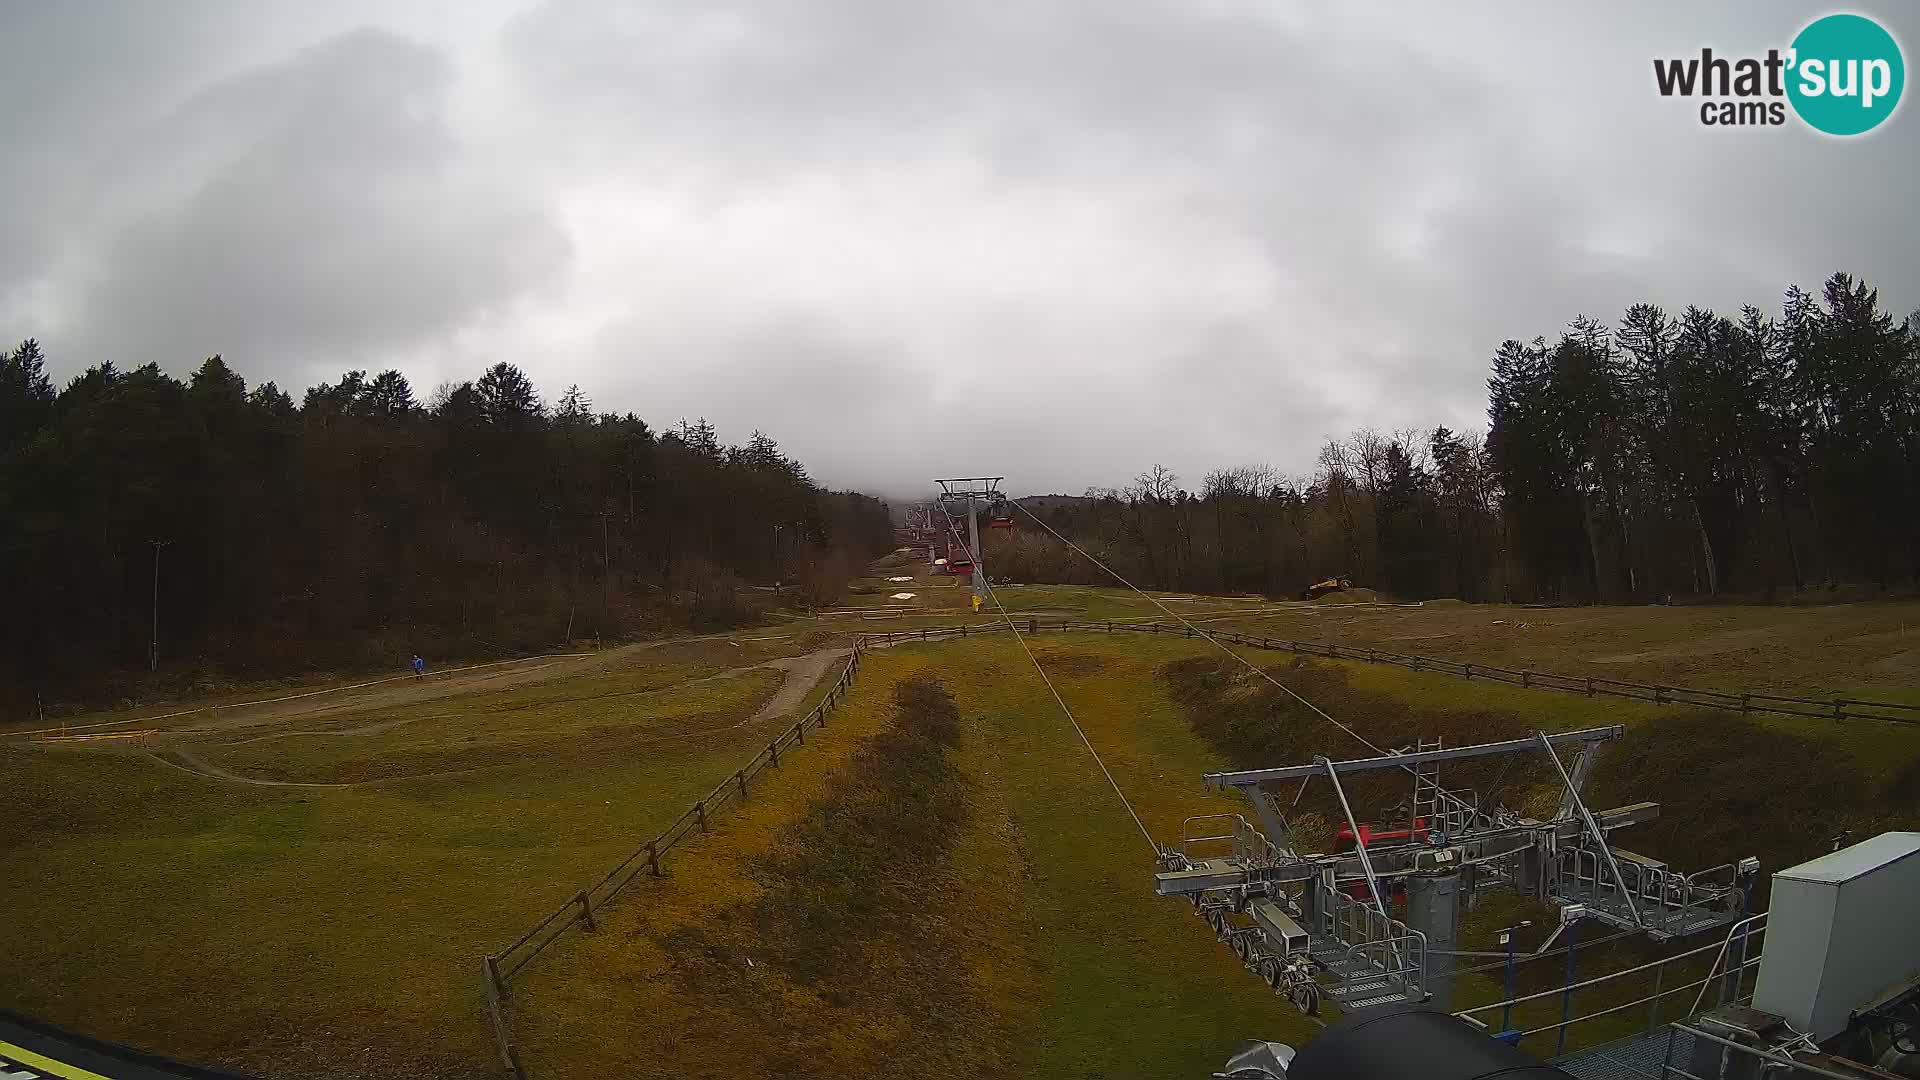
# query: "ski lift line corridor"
{"points": [[1058, 700], [953, 527]]}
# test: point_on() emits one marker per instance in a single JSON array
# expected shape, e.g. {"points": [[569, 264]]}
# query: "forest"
{"points": [[1758, 456], [155, 532]]}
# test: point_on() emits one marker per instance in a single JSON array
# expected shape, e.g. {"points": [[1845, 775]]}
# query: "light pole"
{"points": [[153, 645], [776, 560]]}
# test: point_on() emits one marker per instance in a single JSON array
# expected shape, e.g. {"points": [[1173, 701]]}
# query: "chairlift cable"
{"points": [[1058, 700], [1255, 668]]}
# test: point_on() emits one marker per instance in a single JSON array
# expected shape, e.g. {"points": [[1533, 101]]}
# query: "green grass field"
{"points": [[336, 930], [1090, 974]]}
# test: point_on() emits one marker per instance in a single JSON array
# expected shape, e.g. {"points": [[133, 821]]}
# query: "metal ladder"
{"points": [[1427, 793]]}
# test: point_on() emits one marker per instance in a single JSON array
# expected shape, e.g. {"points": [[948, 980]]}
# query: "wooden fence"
{"points": [[1834, 708], [498, 969], [580, 910]]}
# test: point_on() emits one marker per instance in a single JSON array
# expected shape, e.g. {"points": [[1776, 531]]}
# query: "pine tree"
{"points": [[507, 397], [26, 394], [575, 409], [388, 395], [328, 402]]}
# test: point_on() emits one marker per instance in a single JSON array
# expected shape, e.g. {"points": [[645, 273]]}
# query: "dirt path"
{"points": [[802, 673], [193, 763], [406, 690]]}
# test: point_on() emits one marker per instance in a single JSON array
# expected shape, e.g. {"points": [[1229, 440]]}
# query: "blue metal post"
{"points": [[1566, 998]]}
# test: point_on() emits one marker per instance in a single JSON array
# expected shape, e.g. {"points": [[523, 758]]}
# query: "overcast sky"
{"points": [[1056, 241]]}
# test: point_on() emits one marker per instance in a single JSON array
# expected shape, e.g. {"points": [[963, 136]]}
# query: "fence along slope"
{"points": [[499, 968]]}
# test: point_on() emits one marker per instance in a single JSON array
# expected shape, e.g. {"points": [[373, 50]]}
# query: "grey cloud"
{"points": [[305, 216], [1066, 239], [1195, 138]]}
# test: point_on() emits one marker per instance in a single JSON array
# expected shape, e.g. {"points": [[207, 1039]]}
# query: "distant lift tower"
{"points": [[970, 492], [1378, 922]]}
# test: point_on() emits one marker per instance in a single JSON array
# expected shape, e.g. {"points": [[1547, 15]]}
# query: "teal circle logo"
{"points": [[1847, 74]]}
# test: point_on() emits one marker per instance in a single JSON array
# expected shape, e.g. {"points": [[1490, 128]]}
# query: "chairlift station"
{"points": [[1313, 924]]}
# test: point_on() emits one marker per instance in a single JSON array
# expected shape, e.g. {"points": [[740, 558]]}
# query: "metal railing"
{"points": [[1741, 940], [1742, 943], [1188, 840], [1580, 871], [1776, 1064], [1245, 843], [1378, 945]]}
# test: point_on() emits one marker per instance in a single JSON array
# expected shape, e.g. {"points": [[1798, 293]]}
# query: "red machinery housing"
{"points": [[1343, 842]]}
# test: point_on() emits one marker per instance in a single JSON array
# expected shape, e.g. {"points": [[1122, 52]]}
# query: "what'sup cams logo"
{"points": [[1842, 76]]}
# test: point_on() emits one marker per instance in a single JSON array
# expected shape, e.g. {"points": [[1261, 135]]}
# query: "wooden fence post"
{"points": [[653, 857], [497, 1017], [1659, 695], [1746, 703], [492, 964], [586, 909], [741, 776], [700, 811], [800, 733], [1466, 670], [1839, 709], [1526, 680], [773, 752], [1589, 686]]}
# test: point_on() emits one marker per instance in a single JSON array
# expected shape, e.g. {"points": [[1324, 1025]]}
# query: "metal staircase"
{"points": [[1363, 957]]}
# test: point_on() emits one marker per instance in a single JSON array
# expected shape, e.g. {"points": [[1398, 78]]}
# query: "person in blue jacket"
{"points": [[419, 666]]}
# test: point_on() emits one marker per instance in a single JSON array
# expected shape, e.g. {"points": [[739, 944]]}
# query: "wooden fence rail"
{"points": [[500, 968], [579, 909], [1835, 708]]}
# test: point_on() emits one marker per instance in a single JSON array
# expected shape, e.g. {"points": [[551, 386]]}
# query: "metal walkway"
{"points": [[1656, 899], [1636, 1057]]}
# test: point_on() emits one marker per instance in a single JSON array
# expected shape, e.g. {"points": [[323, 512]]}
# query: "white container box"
{"points": [[1842, 929]]}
